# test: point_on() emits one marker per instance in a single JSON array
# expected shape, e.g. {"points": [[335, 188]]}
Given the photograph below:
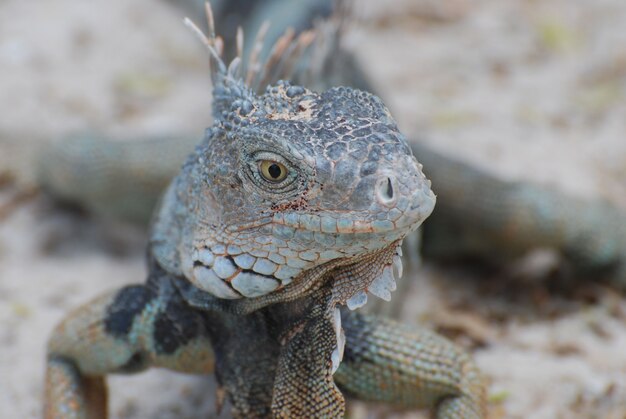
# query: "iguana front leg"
{"points": [[408, 367], [123, 331]]}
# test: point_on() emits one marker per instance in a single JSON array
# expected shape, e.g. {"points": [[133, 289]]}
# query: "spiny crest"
{"points": [[240, 81]]}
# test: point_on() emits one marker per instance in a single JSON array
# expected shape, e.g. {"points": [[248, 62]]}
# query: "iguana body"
{"points": [[292, 207]]}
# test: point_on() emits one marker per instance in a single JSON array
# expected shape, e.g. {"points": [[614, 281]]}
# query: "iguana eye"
{"points": [[272, 170]]}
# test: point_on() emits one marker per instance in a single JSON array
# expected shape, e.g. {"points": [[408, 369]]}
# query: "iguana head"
{"points": [[288, 186], [292, 180]]}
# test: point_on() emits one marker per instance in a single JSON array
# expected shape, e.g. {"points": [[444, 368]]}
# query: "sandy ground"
{"points": [[527, 89]]}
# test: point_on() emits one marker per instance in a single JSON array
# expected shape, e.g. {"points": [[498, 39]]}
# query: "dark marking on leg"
{"points": [[128, 303], [176, 326]]}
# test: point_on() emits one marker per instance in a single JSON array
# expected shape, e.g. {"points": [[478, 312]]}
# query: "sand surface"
{"points": [[526, 89]]}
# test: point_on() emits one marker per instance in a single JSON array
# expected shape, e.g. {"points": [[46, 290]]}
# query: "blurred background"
{"points": [[524, 89]]}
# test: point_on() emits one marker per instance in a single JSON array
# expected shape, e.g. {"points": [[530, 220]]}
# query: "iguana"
{"points": [[478, 215], [291, 209]]}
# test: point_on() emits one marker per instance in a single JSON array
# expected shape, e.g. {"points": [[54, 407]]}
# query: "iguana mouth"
{"points": [[355, 222], [409, 212], [338, 222]]}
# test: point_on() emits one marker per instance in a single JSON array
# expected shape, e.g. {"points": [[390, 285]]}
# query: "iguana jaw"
{"points": [[348, 279], [361, 222], [233, 272]]}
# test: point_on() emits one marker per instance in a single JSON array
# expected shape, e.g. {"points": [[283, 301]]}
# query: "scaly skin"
{"points": [[293, 206], [372, 342]]}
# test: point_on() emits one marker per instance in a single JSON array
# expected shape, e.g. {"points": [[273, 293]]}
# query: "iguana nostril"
{"points": [[385, 191], [389, 189]]}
